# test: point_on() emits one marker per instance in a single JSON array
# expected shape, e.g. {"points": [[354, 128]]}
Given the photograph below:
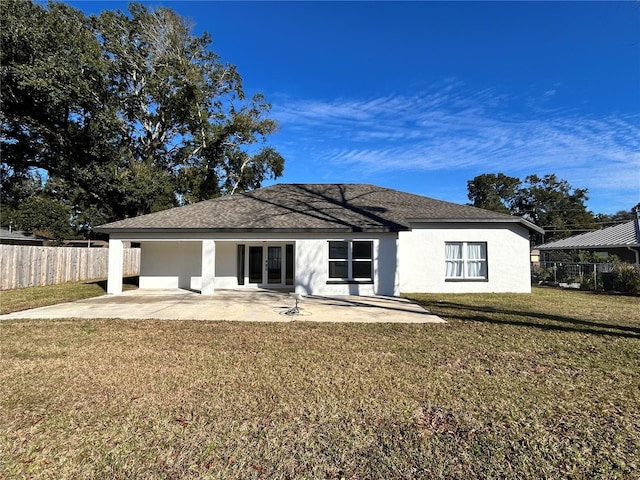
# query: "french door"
{"points": [[255, 265], [274, 265], [271, 265]]}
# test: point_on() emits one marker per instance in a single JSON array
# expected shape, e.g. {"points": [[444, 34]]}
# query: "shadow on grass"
{"points": [[527, 319], [399, 304], [128, 283]]}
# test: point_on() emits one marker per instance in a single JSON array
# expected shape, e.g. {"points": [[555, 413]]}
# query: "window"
{"points": [[338, 259], [351, 260], [466, 261]]}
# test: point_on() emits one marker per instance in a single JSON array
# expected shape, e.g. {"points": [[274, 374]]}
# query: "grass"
{"points": [[33, 297], [514, 386]]}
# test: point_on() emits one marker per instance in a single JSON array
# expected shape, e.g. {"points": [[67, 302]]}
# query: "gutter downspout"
{"points": [[636, 224]]}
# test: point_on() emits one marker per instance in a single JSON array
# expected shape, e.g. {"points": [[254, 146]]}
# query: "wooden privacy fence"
{"points": [[32, 266]]}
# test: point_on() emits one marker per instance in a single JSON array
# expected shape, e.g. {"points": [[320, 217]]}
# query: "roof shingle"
{"points": [[310, 207]]}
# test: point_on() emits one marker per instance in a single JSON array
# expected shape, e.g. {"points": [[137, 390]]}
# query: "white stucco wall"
{"points": [[421, 258], [175, 264], [312, 267], [406, 262], [226, 276]]}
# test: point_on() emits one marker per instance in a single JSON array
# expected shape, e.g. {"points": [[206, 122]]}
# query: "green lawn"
{"points": [[514, 386], [32, 297]]}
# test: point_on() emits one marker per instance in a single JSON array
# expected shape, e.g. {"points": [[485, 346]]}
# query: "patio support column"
{"points": [[114, 279], [208, 267]]}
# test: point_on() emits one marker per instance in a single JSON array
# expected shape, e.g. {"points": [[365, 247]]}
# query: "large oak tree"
{"points": [[125, 112], [547, 201]]}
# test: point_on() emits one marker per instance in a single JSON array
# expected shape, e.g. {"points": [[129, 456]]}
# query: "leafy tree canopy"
{"points": [[547, 201], [494, 192], [621, 216], [124, 113], [41, 215]]}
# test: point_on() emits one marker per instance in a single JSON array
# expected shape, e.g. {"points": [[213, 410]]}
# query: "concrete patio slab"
{"points": [[233, 305]]}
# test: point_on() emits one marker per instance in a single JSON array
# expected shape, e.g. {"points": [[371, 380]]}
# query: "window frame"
{"points": [[350, 261], [465, 261]]}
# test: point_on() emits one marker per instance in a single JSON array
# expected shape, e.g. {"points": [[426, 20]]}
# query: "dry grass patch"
{"points": [[33, 297], [496, 392]]}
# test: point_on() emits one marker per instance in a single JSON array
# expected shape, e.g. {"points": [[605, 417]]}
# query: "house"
{"points": [[17, 237], [535, 257], [81, 243], [326, 239], [621, 240]]}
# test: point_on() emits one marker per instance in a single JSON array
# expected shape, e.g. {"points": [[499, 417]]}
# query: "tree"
{"points": [[547, 201], [185, 120], [494, 192], [53, 90], [621, 216], [13, 190], [125, 113], [554, 205], [43, 216]]}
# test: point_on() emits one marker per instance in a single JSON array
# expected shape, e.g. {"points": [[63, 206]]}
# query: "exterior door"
{"points": [[274, 265], [255, 264], [269, 265]]}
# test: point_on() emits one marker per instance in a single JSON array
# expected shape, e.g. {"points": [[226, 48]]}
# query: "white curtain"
{"points": [[476, 256], [453, 255]]}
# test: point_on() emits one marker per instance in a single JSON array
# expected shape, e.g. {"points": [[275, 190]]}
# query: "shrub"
{"points": [[588, 283], [542, 275], [626, 278]]}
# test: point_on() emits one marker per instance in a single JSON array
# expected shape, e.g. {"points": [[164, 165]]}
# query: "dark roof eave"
{"points": [[252, 230], [522, 221]]}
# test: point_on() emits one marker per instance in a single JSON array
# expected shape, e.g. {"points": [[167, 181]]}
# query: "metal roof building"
{"points": [[622, 240]]}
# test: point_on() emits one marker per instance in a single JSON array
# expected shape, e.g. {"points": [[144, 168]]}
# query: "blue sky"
{"points": [[424, 96]]}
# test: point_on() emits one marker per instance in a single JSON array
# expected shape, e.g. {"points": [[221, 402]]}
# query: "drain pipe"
{"points": [[636, 224]]}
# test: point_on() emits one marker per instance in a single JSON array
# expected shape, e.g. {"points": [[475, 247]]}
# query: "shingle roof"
{"points": [[310, 207], [623, 235], [18, 235]]}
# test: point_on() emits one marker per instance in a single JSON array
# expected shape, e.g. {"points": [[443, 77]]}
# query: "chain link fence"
{"points": [[586, 276]]}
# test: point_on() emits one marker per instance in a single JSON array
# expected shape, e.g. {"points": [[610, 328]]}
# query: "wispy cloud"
{"points": [[450, 127]]}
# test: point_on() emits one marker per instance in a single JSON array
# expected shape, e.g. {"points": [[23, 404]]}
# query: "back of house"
{"points": [[326, 239]]}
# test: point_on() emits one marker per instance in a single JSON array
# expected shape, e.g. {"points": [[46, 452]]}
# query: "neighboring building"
{"points": [[326, 239], [17, 237], [80, 243], [621, 240], [535, 257]]}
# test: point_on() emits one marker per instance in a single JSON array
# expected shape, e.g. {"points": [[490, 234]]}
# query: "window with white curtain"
{"points": [[466, 260]]}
